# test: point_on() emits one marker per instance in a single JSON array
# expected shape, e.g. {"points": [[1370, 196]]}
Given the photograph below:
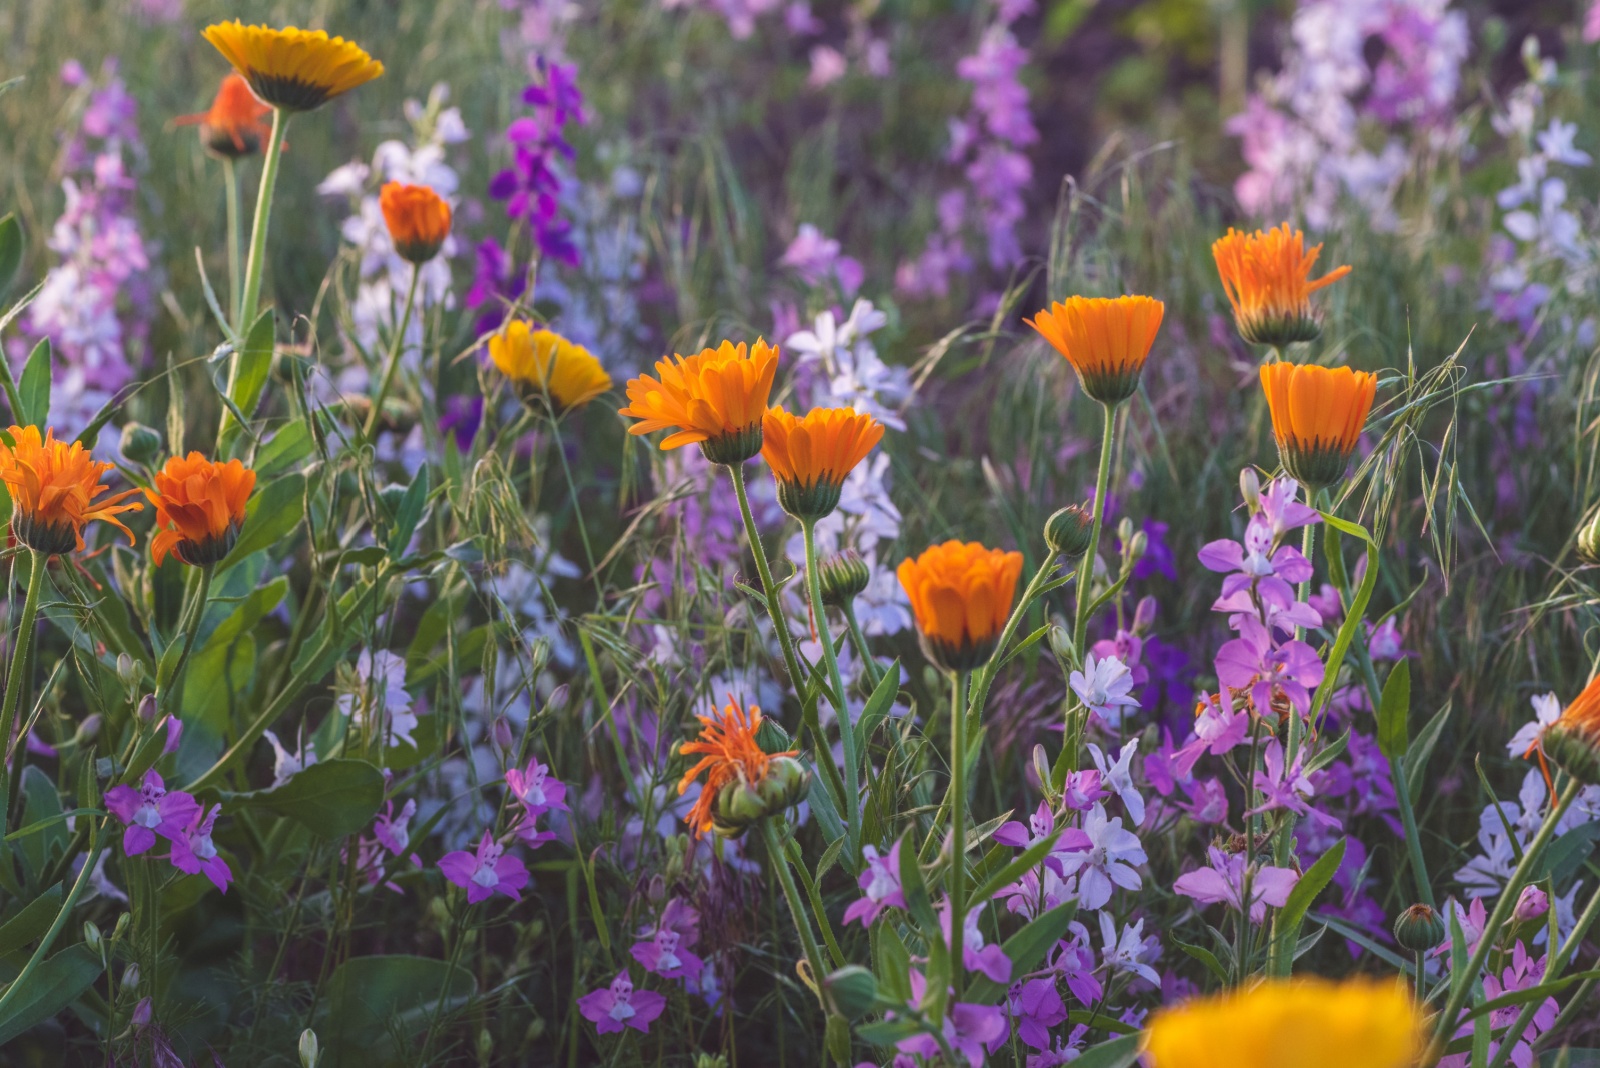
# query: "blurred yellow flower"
{"points": [[542, 364], [293, 69]]}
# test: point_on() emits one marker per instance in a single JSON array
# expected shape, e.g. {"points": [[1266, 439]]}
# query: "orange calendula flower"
{"points": [[743, 781], [418, 220], [1317, 416], [961, 595], [1572, 740], [53, 486], [1302, 1023], [543, 365], [1267, 277], [199, 508], [717, 397], [1105, 339], [234, 127], [293, 69], [811, 456]]}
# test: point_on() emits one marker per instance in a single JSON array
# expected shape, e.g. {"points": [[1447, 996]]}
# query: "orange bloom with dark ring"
{"points": [[1317, 416], [1105, 339], [418, 220], [1267, 277], [961, 596], [234, 127], [743, 781], [293, 69], [199, 507], [811, 456], [1573, 739], [717, 398], [53, 486]]}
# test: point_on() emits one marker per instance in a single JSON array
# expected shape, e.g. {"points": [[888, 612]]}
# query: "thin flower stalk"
{"points": [[847, 731], [85, 874], [791, 895], [250, 293], [15, 680], [392, 360], [958, 818], [194, 611], [769, 589], [1086, 566]]}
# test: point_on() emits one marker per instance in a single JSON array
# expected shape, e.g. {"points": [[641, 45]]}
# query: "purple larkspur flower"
{"points": [[620, 1005], [1225, 880], [880, 886], [150, 811], [484, 873], [194, 852]]}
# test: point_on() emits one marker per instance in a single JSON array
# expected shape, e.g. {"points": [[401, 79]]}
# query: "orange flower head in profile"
{"points": [[1105, 339], [811, 456], [1317, 416], [292, 69], [199, 508], [1573, 739], [717, 398], [547, 368], [53, 486], [743, 781], [961, 596], [1267, 277], [234, 127], [1300, 1023], [418, 220]]}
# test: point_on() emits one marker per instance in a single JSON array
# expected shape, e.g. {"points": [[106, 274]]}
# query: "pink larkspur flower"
{"points": [[194, 852], [620, 1005], [485, 873], [1223, 881], [150, 811]]}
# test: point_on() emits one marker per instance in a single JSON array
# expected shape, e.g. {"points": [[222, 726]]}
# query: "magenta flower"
{"points": [[1224, 881], [880, 886], [1254, 662], [488, 872], [1287, 788], [194, 852], [973, 1031], [1208, 801], [620, 1005], [1041, 825], [1522, 973], [1074, 962], [976, 954], [1036, 1005], [150, 811], [1533, 903], [1103, 686], [393, 832], [1107, 862], [1217, 730], [1082, 789], [665, 951], [535, 790], [1281, 512], [174, 736]]}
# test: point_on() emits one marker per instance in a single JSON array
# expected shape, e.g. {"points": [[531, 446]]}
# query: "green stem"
{"points": [[1308, 547], [847, 731], [392, 364], [1491, 931], [958, 823], [15, 680], [768, 588], [1408, 818], [1086, 567], [193, 618], [1558, 961], [577, 511], [984, 676], [444, 990], [250, 298], [231, 191], [21, 981], [859, 640], [780, 866]]}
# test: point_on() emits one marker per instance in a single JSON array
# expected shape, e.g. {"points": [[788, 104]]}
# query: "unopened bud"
{"points": [[485, 1045], [147, 707], [1250, 487], [91, 936], [1589, 540], [140, 443], [127, 673], [1042, 768], [843, 576], [310, 1049], [391, 497], [1144, 615], [538, 655], [1125, 530], [130, 976], [1419, 928], [1138, 545], [140, 1018], [1533, 903], [87, 729], [1069, 530], [503, 736], [710, 1060], [122, 926]]}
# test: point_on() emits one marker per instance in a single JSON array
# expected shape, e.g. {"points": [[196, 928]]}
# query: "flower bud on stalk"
{"points": [[1068, 531], [844, 576], [1419, 929], [1532, 904], [139, 443], [1589, 540]]}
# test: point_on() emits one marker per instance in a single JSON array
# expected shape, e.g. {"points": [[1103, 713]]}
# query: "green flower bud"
{"points": [[1419, 928], [1589, 540], [843, 576], [1069, 530], [852, 991], [140, 443]]}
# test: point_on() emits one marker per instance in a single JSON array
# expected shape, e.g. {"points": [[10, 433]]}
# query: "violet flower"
{"points": [[1521, 974], [880, 886], [973, 1031], [535, 789], [1286, 788], [150, 811], [1127, 952], [620, 1005], [1225, 879], [1107, 862], [665, 950], [1118, 777], [1036, 1005], [977, 955], [1103, 686], [1074, 962], [194, 852], [1255, 663], [1546, 710], [485, 873]]}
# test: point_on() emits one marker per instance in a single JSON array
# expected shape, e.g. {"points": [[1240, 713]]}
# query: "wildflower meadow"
{"points": [[715, 533]]}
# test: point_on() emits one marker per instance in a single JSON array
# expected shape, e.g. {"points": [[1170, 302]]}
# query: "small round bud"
{"points": [[1533, 903], [92, 936], [1043, 770], [503, 735], [390, 497], [140, 1018], [1069, 530], [1589, 540], [485, 1045], [130, 977], [147, 707], [121, 927], [1575, 749], [127, 673], [1125, 530], [87, 729], [843, 576], [852, 990], [310, 1049], [140, 443], [1419, 928], [1137, 546], [1061, 642], [1250, 487]]}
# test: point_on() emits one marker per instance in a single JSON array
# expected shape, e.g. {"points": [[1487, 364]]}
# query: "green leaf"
{"points": [[1025, 861], [42, 802], [253, 363], [1394, 712], [409, 514], [1118, 1053], [1206, 957], [54, 985], [269, 518], [34, 389], [12, 243], [1026, 949], [374, 1001], [1566, 855], [1352, 619], [222, 668], [1422, 749], [888, 1032], [28, 924], [878, 705], [333, 799], [1286, 925]]}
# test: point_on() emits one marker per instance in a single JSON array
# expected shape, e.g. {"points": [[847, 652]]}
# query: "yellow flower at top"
{"points": [[1267, 277], [812, 456], [961, 596], [1105, 339], [544, 365], [1317, 416], [717, 398], [292, 69], [1302, 1023], [1573, 740], [53, 486], [200, 507]]}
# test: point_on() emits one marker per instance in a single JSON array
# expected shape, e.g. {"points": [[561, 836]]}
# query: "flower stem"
{"points": [[21, 982], [231, 195], [790, 661], [192, 618], [1086, 566], [1308, 547], [15, 682], [577, 510], [392, 364], [984, 676], [874, 673], [250, 298], [847, 731], [780, 868], [1557, 962], [958, 822]]}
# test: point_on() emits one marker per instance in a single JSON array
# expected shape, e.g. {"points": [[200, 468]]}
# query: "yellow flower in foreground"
{"points": [[542, 363], [1305, 1023], [717, 397], [1105, 339], [292, 69], [53, 486], [811, 456], [1267, 277], [1317, 416]]}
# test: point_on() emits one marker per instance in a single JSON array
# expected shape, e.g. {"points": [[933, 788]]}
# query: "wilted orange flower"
{"points": [[1105, 339], [418, 220], [731, 755], [544, 366], [53, 486], [961, 595], [1267, 277], [1317, 416], [716, 397], [293, 69], [199, 508], [1573, 739], [234, 127], [811, 456]]}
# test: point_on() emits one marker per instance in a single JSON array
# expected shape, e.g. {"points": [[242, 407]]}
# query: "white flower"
{"points": [[1546, 709], [1125, 952], [1107, 861], [1118, 778], [286, 765], [1556, 143], [382, 700], [1103, 687]]}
